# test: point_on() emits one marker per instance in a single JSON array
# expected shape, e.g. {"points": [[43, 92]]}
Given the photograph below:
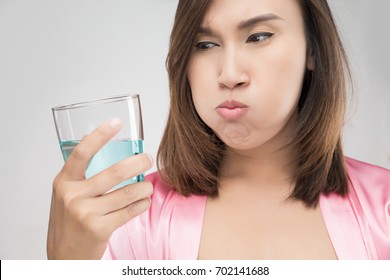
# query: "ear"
{"points": [[310, 59], [310, 62]]}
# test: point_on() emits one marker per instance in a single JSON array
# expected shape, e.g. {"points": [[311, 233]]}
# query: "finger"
{"points": [[119, 172], [78, 160], [120, 217], [122, 197]]}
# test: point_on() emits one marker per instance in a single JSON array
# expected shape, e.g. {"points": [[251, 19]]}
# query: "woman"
{"points": [[251, 164]]}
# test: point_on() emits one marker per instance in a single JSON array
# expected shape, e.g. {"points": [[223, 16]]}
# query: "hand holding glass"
{"points": [[74, 121]]}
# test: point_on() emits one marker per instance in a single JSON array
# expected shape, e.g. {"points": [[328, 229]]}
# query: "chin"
{"points": [[248, 144], [240, 144]]}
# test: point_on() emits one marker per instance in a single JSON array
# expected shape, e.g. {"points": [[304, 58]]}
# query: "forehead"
{"points": [[231, 12]]}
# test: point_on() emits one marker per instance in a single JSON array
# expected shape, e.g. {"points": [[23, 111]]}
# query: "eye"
{"points": [[205, 45], [259, 37]]}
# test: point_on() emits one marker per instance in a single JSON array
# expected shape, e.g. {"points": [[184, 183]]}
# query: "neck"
{"points": [[271, 165], [258, 166]]}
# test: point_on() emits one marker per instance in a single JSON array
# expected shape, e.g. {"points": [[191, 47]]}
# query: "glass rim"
{"points": [[98, 101]]}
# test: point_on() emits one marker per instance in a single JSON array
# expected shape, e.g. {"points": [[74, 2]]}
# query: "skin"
{"points": [[83, 212], [249, 72], [261, 66]]}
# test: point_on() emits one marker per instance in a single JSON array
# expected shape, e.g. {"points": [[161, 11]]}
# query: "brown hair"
{"points": [[190, 154]]}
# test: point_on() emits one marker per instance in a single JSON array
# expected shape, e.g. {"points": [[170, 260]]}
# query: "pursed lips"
{"points": [[231, 109]]}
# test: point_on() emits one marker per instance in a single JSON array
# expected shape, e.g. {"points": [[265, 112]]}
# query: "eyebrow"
{"points": [[243, 24], [258, 19]]}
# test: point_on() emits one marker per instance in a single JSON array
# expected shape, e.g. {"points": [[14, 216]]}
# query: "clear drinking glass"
{"points": [[74, 121]]}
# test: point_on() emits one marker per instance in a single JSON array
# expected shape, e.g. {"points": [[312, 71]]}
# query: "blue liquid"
{"points": [[111, 153]]}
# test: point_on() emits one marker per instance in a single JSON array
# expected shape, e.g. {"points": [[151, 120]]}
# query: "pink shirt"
{"points": [[358, 224]]}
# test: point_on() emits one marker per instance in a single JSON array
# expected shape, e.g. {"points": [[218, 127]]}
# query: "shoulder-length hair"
{"points": [[190, 154]]}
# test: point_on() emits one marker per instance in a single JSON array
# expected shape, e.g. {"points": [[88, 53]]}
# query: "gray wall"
{"points": [[54, 52]]}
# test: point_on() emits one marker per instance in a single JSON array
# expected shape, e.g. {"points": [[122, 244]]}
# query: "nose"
{"points": [[232, 70]]}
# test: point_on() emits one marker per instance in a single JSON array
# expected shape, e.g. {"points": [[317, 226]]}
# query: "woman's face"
{"points": [[246, 69]]}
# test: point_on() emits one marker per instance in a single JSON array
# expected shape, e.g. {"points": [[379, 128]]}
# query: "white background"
{"points": [[55, 52], [211, 269]]}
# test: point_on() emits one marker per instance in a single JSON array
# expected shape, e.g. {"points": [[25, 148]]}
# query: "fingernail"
{"points": [[116, 123]]}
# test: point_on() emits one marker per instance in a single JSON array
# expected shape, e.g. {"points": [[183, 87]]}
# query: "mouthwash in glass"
{"points": [[111, 153]]}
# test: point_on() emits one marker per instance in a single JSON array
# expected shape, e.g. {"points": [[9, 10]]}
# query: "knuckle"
{"points": [[70, 196], [118, 172], [96, 230], [132, 210], [130, 192], [60, 179], [57, 182], [61, 190], [82, 216], [138, 207], [100, 230], [80, 152], [138, 191], [70, 201]]}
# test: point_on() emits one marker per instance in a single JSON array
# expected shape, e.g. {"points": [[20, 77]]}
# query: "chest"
{"points": [[261, 229]]}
